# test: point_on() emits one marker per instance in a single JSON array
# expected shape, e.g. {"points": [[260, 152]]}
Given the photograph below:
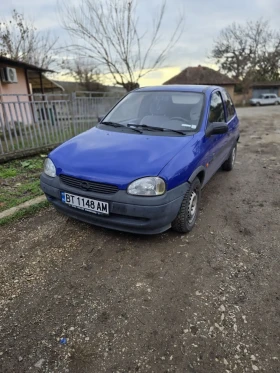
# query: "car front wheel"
{"points": [[188, 213]]}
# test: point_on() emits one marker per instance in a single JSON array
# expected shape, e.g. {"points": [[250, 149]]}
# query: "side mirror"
{"points": [[100, 118], [216, 128]]}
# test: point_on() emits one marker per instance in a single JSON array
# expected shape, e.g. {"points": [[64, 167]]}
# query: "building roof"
{"points": [[69, 86], [72, 86], [24, 65], [200, 75], [48, 84], [266, 84]]}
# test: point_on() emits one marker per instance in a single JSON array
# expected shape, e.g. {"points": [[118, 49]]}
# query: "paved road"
{"points": [[208, 302]]}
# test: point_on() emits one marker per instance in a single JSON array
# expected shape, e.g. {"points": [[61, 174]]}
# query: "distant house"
{"points": [[264, 87], [18, 81], [205, 76], [70, 87], [21, 78], [116, 90]]}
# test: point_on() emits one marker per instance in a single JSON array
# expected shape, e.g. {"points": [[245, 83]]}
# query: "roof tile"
{"points": [[200, 75]]}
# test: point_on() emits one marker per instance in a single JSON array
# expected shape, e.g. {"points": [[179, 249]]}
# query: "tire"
{"points": [[276, 103], [188, 213], [258, 104], [229, 163]]}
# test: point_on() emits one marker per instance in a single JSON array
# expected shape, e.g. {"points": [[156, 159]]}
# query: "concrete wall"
{"points": [[238, 98], [242, 98], [230, 89]]}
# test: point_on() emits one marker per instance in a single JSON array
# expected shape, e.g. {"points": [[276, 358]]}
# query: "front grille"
{"points": [[90, 186]]}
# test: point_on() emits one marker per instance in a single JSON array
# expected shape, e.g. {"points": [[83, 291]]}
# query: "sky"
{"points": [[204, 19]]}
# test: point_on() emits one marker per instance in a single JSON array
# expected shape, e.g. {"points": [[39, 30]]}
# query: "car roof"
{"points": [[179, 88]]}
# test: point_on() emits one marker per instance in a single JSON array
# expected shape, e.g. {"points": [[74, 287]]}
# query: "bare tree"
{"points": [[85, 73], [248, 52], [20, 40], [108, 32]]}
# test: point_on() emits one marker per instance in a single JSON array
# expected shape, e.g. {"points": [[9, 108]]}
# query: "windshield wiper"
{"points": [[152, 128], [113, 124], [176, 131], [118, 125]]}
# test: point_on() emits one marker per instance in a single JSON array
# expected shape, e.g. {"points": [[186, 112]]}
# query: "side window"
{"points": [[229, 105], [216, 113]]}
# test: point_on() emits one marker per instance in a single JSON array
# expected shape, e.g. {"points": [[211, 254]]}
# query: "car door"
{"points": [[269, 99], [232, 122], [215, 144], [272, 99], [266, 100]]}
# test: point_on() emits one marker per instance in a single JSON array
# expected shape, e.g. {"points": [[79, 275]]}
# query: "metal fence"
{"points": [[32, 121]]}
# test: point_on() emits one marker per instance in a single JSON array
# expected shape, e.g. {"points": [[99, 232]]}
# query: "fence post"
{"points": [[3, 126], [74, 111], [97, 107]]}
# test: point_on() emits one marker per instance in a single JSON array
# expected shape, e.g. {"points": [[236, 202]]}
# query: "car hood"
{"points": [[115, 157]]}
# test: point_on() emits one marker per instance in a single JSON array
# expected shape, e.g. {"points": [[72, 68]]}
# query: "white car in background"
{"points": [[266, 99]]}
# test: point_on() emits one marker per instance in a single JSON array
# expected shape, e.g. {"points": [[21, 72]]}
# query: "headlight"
{"points": [[49, 168], [148, 186]]}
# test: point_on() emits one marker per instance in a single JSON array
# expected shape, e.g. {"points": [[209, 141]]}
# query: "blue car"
{"points": [[142, 168]]}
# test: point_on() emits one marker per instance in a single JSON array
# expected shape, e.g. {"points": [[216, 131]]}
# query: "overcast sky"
{"points": [[204, 20]]}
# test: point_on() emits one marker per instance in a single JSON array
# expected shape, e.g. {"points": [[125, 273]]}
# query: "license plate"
{"points": [[87, 204]]}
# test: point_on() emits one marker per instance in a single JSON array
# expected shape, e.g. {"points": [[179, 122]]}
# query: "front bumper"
{"points": [[144, 215]]}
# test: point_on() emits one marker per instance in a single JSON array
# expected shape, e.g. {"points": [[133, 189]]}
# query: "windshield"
{"points": [[171, 110]]}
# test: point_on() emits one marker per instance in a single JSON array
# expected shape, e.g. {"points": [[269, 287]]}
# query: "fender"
{"points": [[196, 172]]}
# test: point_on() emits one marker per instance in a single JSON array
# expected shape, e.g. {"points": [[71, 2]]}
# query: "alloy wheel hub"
{"points": [[233, 155], [192, 207]]}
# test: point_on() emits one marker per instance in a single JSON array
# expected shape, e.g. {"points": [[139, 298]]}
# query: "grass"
{"points": [[24, 212], [19, 181], [10, 172]]}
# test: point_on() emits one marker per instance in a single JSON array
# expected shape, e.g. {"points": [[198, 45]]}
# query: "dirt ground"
{"points": [[77, 298]]}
